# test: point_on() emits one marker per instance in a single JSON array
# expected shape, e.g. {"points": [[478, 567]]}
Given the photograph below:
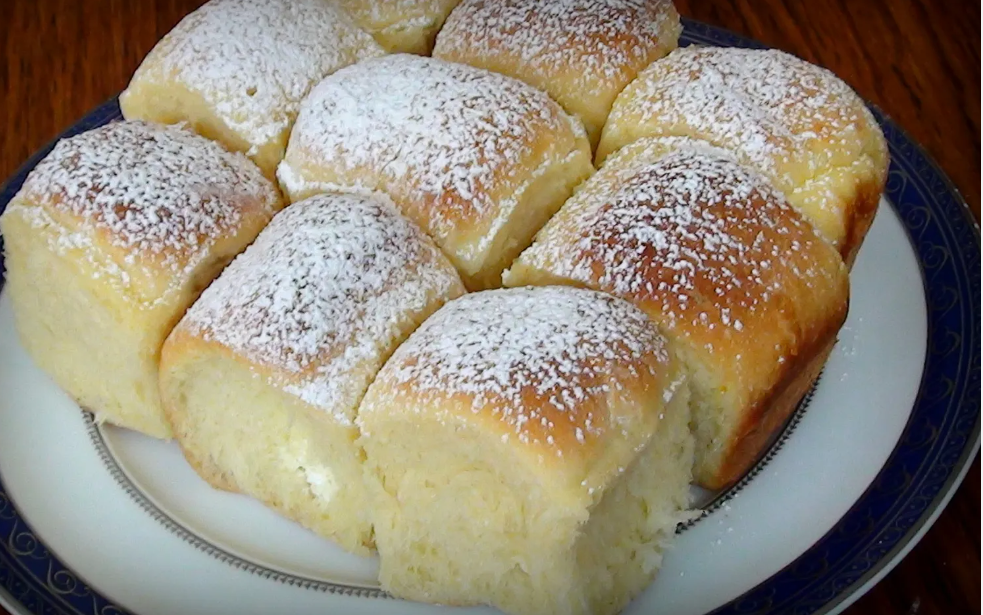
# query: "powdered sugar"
{"points": [[766, 105], [692, 232], [323, 294], [254, 60], [160, 194], [448, 142], [793, 121], [604, 39], [531, 356]]}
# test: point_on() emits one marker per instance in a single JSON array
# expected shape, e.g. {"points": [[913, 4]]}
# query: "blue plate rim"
{"points": [[32, 577]]}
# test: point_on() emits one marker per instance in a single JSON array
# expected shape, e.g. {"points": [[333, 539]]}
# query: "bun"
{"points": [[403, 26], [747, 292], [236, 70], [110, 239], [262, 377], [527, 449], [478, 160], [581, 52], [795, 122]]}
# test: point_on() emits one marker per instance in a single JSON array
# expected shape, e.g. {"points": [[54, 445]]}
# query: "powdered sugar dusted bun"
{"points": [[236, 70], [582, 52], [109, 240], [262, 377], [539, 366], [747, 291], [401, 26], [516, 431], [322, 290], [795, 122], [480, 161]]}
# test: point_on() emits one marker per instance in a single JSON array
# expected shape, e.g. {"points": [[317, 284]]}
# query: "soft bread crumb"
{"points": [[527, 449]]}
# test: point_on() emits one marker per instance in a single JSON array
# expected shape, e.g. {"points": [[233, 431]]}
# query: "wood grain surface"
{"points": [[917, 60]]}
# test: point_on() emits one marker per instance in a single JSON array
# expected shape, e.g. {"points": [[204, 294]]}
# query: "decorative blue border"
{"points": [[940, 439]]}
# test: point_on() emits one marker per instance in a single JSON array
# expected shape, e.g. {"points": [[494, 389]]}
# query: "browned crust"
{"points": [[570, 78], [864, 208], [763, 419], [466, 25]]}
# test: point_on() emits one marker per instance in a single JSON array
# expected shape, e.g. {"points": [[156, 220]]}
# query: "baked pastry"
{"points": [[581, 52], [236, 70], [478, 160], [750, 296], [527, 449], [110, 239], [262, 377], [401, 26], [797, 123]]}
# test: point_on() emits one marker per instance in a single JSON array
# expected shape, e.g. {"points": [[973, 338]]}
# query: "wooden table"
{"points": [[913, 58]]}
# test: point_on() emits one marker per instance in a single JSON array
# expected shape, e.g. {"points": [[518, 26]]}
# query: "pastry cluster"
{"points": [[480, 286]]}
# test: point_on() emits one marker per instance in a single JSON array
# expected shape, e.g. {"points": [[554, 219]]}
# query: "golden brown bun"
{"points": [[111, 238], [401, 26], [236, 70], [529, 449], [581, 52], [796, 123], [743, 286], [262, 377], [478, 160]]}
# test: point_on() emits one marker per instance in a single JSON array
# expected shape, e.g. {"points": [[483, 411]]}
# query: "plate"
{"points": [[98, 520]]}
